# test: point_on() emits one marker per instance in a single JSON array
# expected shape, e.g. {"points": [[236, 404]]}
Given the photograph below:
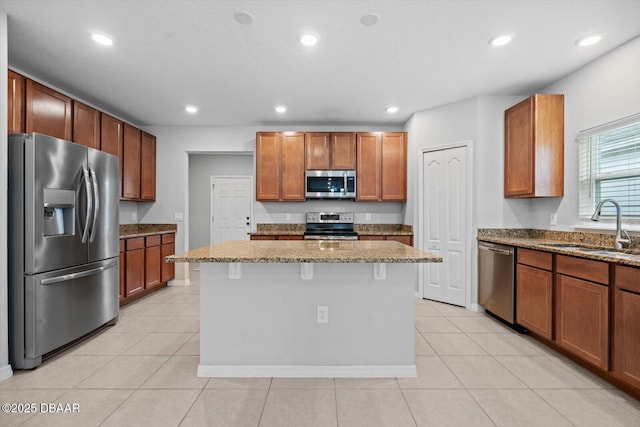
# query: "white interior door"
{"points": [[445, 223], [230, 208]]}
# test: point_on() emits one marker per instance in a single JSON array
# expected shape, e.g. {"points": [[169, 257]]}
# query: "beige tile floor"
{"points": [[471, 371]]}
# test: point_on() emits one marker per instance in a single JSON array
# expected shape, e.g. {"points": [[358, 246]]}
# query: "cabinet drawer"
{"points": [[153, 240], [168, 238], [533, 258], [627, 278], [135, 243], [594, 271], [122, 245]]}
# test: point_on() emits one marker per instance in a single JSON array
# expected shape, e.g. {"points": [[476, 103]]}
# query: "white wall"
{"points": [[5, 368], [201, 168], [605, 90]]}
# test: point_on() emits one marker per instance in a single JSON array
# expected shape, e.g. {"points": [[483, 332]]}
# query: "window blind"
{"points": [[609, 168]]}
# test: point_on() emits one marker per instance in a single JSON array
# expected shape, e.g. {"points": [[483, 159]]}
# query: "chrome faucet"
{"points": [[620, 242]]}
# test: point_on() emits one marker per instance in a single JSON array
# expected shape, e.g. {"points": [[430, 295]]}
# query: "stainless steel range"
{"points": [[330, 226]]}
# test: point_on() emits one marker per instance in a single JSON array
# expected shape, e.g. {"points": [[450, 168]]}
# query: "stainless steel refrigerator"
{"points": [[63, 244]]}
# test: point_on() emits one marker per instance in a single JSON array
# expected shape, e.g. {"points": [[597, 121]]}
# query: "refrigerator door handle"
{"points": [[78, 275], [87, 184], [96, 210]]}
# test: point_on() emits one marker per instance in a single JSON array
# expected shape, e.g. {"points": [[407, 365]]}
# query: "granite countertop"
{"points": [[306, 251], [140, 230], [361, 229], [594, 246]]}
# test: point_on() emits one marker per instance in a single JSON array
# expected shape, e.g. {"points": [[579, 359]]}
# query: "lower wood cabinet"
{"points": [[534, 292], [626, 331], [134, 266], [278, 237], [167, 269], [152, 254], [407, 240], [582, 309], [142, 266]]}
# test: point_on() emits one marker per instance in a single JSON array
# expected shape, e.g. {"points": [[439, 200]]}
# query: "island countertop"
{"points": [[306, 251]]}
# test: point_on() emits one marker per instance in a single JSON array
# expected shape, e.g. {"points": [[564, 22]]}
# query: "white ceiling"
{"points": [[421, 54]]}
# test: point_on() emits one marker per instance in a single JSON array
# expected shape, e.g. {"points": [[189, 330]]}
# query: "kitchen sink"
{"points": [[592, 250]]}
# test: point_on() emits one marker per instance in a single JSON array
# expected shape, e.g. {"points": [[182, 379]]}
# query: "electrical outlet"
{"points": [[178, 216], [553, 219], [287, 217], [322, 314], [367, 217]]}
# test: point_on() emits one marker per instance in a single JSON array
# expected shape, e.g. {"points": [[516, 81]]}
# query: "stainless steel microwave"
{"points": [[330, 184]]}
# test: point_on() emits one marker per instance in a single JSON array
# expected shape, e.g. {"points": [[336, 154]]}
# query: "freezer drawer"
{"points": [[496, 280], [61, 306]]}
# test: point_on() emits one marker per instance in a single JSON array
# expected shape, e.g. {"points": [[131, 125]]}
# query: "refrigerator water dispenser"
{"points": [[59, 207]]}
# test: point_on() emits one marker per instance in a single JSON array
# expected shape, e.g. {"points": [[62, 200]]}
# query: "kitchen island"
{"points": [[307, 308]]}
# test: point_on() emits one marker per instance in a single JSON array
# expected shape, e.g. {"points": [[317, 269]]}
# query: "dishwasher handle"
{"points": [[507, 252]]}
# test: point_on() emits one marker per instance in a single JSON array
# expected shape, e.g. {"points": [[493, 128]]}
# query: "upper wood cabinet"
{"points": [[381, 166], [111, 134], [292, 166], [368, 166], [534, 147], [280, 166], [47, 111], [16, 100], [131, 163], [147, 167], [86, 125], [335, 150], [267, 166]]}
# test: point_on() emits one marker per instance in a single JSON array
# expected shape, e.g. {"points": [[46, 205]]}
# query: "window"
{"points": [[609, 168]]}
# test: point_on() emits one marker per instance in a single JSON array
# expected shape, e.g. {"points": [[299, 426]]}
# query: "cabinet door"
{"points": [[131, 163], [267, 166], [168, 270], [534, 293], [368, 166], [582, 319], [626, 340], [16, 102], [134, 266], [111, 135], [152, 266], [148, 167], [86, 125], [394, 166], [317, 151], [47, 111], [518, 149], [292, 166], [123, 273], [343, 150]]}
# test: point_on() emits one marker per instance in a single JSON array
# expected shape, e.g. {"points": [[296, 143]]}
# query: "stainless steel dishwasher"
{"points": [[496, 280]]}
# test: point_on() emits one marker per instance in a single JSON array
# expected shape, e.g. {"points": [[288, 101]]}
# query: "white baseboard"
{"points": [[476, 307], [297, 371], [184, 282], [5, 372]]}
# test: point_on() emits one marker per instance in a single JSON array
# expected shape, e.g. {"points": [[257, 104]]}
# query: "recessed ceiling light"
{"points": [[243, 18], [281, 109], [308, 39], [191, 109], [588, 41], [500, 40], [102, 39], [369, 19], [392, 109]]}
